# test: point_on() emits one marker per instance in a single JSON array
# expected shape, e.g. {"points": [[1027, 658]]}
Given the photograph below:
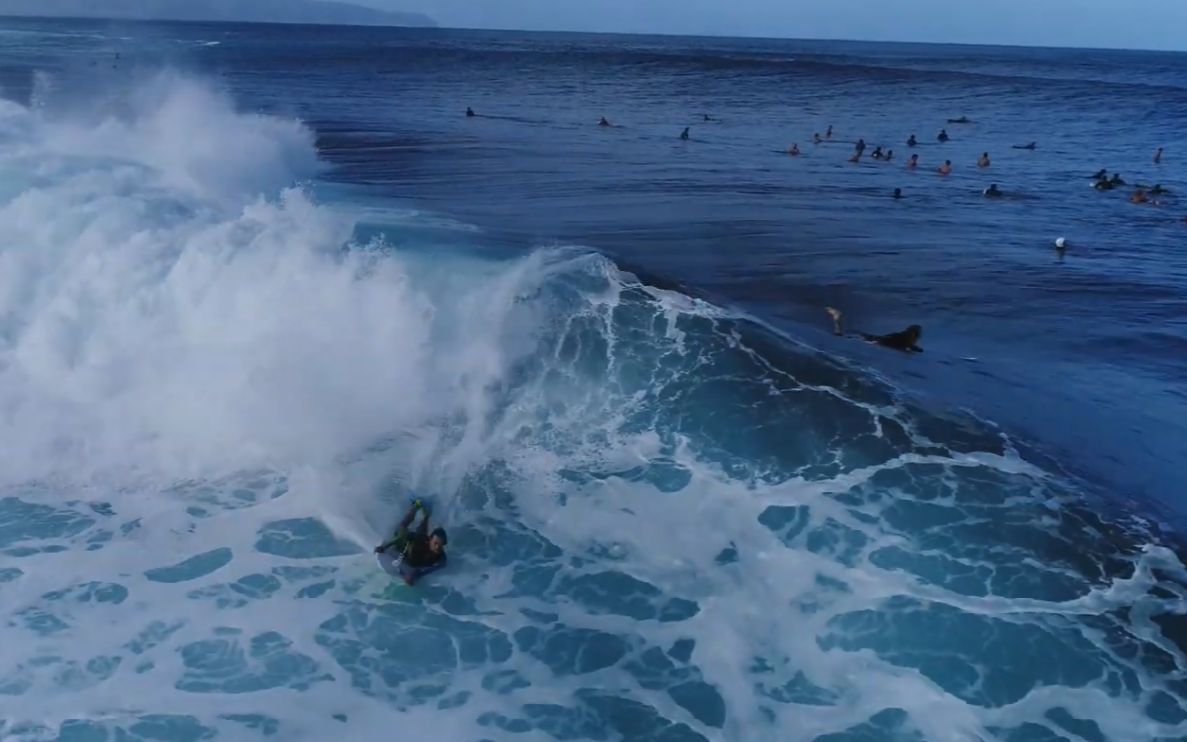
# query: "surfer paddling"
{"points": [[906, 340], [422, 551]]}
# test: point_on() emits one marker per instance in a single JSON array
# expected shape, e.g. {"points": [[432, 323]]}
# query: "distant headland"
{"points": [[255, 11]]}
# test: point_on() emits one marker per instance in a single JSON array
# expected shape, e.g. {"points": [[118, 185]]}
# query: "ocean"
{"points": [[260, 284]]}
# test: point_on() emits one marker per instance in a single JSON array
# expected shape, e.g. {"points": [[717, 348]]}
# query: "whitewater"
{"points": [[668, 521]]}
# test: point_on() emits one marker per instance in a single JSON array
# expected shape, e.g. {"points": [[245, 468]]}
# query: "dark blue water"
{"points": [[684, 509], [1087, 354], [1084, 354]]}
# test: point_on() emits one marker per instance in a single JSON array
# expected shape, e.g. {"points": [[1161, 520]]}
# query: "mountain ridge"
{"points": [[330, 12]]}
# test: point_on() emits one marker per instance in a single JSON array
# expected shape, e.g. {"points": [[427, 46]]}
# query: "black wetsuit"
{"points": [[418, 559], [418, 555], [904, 341]]}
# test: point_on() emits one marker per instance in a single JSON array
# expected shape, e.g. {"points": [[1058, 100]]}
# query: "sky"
{"points": [[1129, 24]]}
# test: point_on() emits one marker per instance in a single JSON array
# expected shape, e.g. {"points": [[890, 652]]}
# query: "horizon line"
{"points": [[664, 34], [828, 39]]}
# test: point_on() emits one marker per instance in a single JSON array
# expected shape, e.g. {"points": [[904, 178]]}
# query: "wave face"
{"points": [[667, 522]]}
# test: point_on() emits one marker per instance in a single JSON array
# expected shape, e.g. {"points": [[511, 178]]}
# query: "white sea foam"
{"points": [[206, 392]]}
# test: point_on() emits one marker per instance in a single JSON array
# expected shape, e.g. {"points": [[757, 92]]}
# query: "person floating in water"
{"points": [[983, 160], [423, 552], [877, 153], [1101, 174], [707, 117], [906, 340], [992, 191], [794, 150], [1139, 197], [828, 134], [1158, 190], [942, 136], [1158, 156], [684, 134], [1116, 180], [860, 147], [470, 113], [889, 155], [898, 193], [604, 122], [1104, 184], [1032, 145], [912, 141], [913, 162], [961, 120], [946, 168], [816, 138]]}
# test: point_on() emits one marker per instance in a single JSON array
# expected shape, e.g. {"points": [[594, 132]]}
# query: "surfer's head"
{"points": [[914, 332], [437, 540]]}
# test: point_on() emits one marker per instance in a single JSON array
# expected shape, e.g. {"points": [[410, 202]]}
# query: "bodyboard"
{"points": [[390, 563]]}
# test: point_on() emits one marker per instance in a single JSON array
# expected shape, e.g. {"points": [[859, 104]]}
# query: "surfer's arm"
{"points": [[836, 315], [402, 529], [400, 535]]}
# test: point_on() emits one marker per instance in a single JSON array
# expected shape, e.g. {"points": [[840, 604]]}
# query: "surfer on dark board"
{"points": [[421, 552], [905, 340]]}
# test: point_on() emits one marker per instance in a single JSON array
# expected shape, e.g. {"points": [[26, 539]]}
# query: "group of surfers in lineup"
{"points": [[1101, 180], [1143, 195], [907, 340]]}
